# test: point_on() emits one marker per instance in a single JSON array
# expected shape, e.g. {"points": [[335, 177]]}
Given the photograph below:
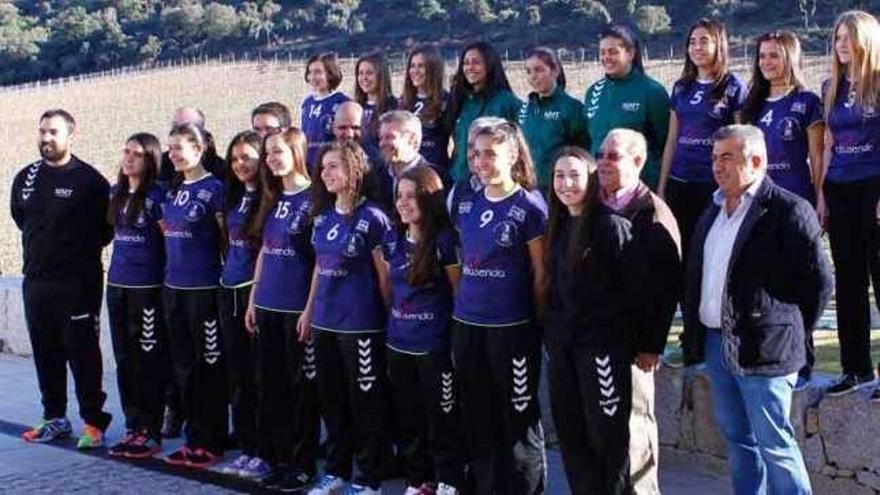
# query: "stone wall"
{"points": [[839, 436]]}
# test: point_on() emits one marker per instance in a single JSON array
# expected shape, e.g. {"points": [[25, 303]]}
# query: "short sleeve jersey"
{"points": [[420, 316], [855, 130], [496, 276], [288, 257], [785, 122], [347, 297], [192, 234], [435, 134], [699, 116], [317, 122], [241, 256], [138, 248]]}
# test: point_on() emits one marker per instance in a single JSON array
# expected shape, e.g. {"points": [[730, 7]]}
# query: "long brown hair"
{"points": [[272, 185], [434, 219], [523, 170], [864, 36], [548, 57], [759, 89], [355, 159], [559, 217], [721, 68], [235, 189], [434, 76], [133, 202], [385, 100]]}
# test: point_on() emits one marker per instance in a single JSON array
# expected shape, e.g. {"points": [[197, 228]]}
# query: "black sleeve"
{"points": [[808, 263], [15, 205], [102, 201], [658, 266]]}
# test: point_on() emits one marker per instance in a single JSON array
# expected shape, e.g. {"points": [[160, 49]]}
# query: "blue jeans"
{"points": [[753, 414]]}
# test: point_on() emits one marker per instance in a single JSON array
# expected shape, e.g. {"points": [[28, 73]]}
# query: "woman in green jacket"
{"points": [[626, 97], [479, 89], [550, 118]]}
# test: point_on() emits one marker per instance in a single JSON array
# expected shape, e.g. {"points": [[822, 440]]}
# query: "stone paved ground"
{"points": [[26, 468]]}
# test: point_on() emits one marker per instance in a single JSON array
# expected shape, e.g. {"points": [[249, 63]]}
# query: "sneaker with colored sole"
{"points": [[48, 430], [179, 456], [143, 446], [328, 485], [120, 448], [237, 465], [92, 437], [202, 458]]}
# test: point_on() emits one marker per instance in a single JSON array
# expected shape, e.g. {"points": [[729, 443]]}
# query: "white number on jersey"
{"points": [[333, 233], [418, 107], [767, 119], [486, 217], [282, 209], [697, 98], [315, 111], [182, 198]]}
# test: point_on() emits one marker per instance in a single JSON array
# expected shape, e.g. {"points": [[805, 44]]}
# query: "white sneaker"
{"points": [[411, 490], [355, 489], [237, 465], [444, 489], [328, 485]]}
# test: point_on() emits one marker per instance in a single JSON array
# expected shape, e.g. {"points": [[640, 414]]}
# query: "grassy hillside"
{"points": [[110, 109]]}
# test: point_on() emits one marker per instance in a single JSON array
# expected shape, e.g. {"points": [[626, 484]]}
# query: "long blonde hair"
{"points": [[864, 36]]}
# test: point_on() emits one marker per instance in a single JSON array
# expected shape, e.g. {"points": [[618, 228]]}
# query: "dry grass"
{"points": [[110, 109]]}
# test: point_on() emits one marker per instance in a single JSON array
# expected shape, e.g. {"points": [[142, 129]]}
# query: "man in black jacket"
{"points": [[400, 137], [60, 204], [755, 283]]}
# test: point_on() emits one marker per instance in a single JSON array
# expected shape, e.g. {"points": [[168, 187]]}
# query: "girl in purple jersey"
{"points": [[423, 267], [706, 97], [372, 90], [134, 296], [496, 342], [288, 422], [193, 216], [346, 314], [791, 118], [423, 95], [852, 188], [318, 109], [242, 199]]}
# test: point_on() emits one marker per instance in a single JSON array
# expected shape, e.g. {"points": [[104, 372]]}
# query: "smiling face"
{"points": [[335, 173], [492, 160], [731, 170], [771, 61], [367, 78], [183, 152], [317, 77], [475, 70], [245, 162], [279, 156], [541, 76], [617, 168], [418, 72], [133, 164], [53, 139], [347, 122], [843, 44], [570, 179], [407, 202], [615, 57], [702, 48]]}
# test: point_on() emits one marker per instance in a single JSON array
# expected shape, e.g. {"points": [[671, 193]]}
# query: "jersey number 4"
{"points": [[767, 119]]}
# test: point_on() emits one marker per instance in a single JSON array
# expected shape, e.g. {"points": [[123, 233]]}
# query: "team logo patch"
{"points": [[517, 214], [799, 107], [354, 245], [205, 195], [195, 212], [295, 225], [363, 226], [505, 233], [789, 128]]}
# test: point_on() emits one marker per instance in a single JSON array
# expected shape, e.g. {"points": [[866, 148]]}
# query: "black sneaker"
{"points": [[849, 382], [294, 482], [172, 423]]}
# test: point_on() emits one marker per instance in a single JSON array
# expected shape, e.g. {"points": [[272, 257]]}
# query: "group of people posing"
{"points": [[393, 267]]}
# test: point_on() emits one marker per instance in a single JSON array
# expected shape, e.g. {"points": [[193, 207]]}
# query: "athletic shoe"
{"points": [[179, 457], [119, 449], [48, 430], [356, 489], [202, 458], [293, 482], [91, 438], [444, 489], [423, 489], [143, 446], [411, 490], [235, 467], [875, 395], [849, 382], [327, 485], [255, 468], [172, 423]]}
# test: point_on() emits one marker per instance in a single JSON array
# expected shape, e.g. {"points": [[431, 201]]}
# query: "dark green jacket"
{"points": [[636, 102], [549, 123], [502, 104]]}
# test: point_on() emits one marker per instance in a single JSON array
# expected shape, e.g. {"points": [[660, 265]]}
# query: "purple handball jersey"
{"points": [[855, 130], [241, 256], [699, 116], [784, 122], [435, 135], [288, 257], [347, 297], [317, 122], [420, 316], [138, 250], [496, 274], [192, 234]]}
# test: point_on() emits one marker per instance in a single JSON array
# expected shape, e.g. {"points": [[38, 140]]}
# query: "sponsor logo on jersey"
{"points": [[631, 106], [205, 195], [63, 192], [799, 107]]}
